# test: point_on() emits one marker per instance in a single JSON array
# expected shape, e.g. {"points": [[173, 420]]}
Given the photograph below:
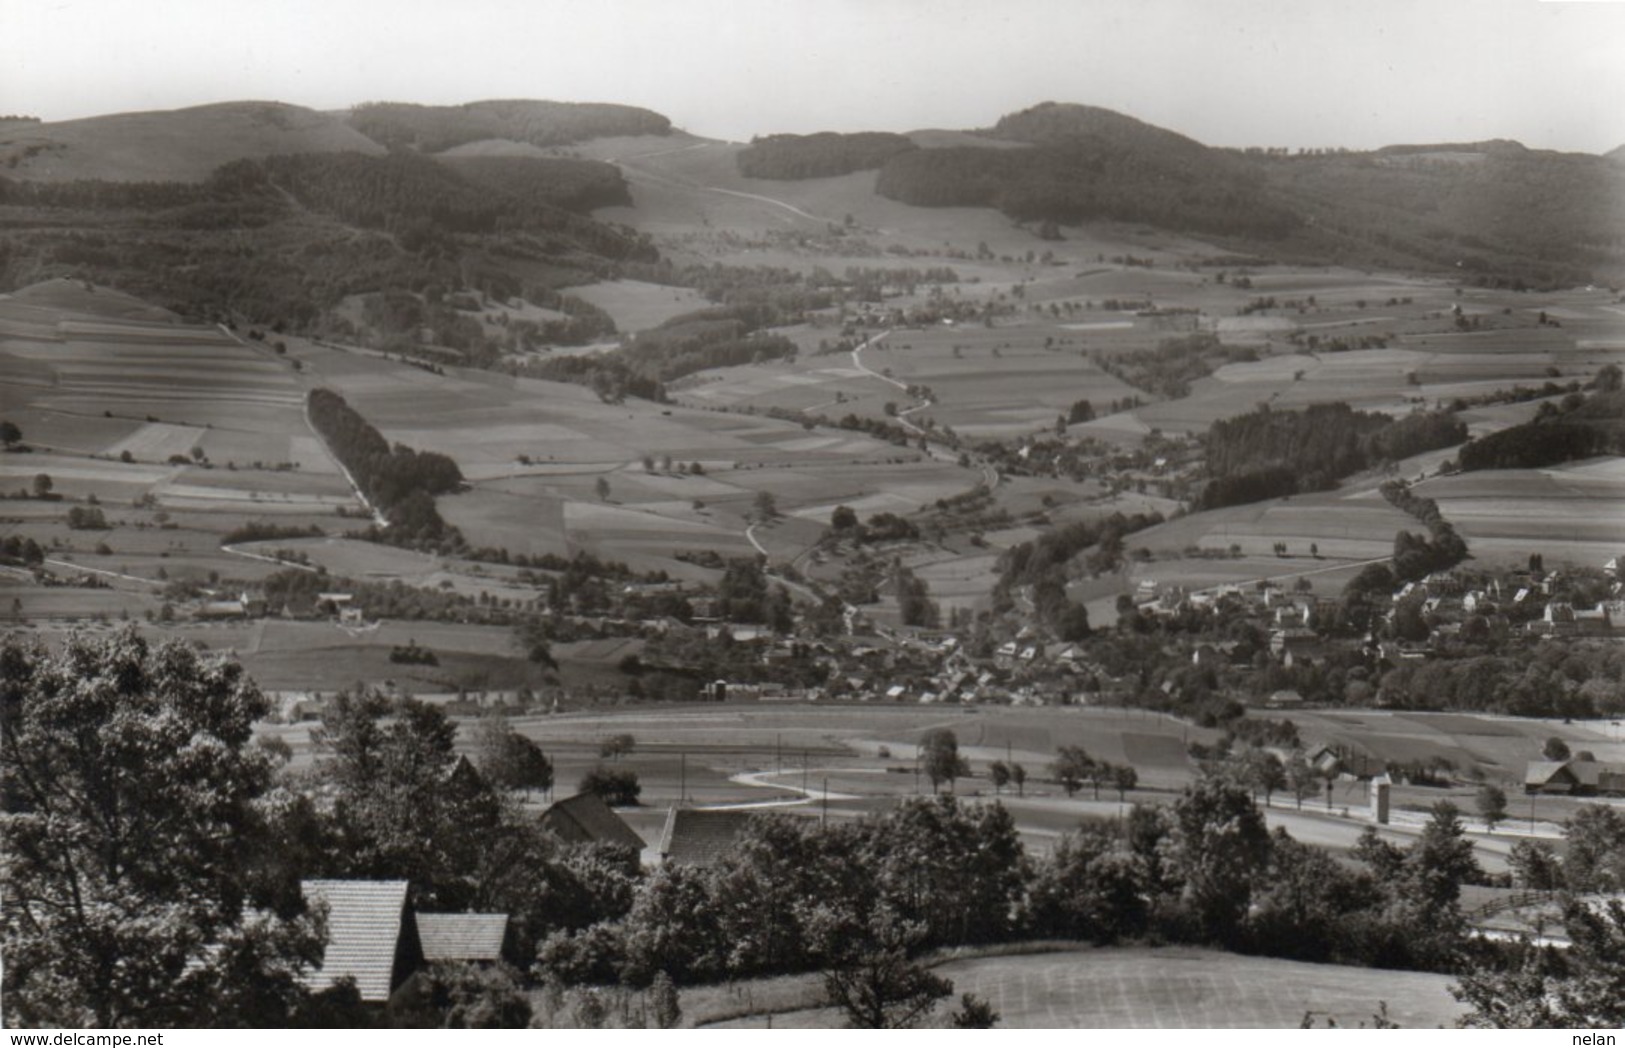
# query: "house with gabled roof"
{"points": [[1576, 776], [371, 936], [586, 819], [701, 836], [472, 937]]}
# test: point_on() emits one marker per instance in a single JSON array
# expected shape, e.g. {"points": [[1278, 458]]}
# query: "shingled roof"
{"points": [[364, 921], [701, 837], [585, 819], [461, 936]]}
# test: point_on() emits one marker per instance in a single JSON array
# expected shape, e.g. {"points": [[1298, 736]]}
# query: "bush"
{"points": [[83, 518], [616, 786]]}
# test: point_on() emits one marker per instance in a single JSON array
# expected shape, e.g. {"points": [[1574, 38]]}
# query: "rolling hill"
{"points": [[1499, 213], [187, 145], [181, 145]]}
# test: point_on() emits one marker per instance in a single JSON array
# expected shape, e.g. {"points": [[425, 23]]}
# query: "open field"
{"points": [[1573, 513], [535, 453], [637, 306], [1174, 988]]}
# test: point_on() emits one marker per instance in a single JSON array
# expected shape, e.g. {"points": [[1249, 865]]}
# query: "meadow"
{"points": [[1140, 988]]}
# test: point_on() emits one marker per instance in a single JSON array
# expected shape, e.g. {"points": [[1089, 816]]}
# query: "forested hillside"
{"points": [[422, 197], [1268, 453], [431, 129], [820, 155], [1090, 164], [1497, 212], [282, 240], [575, 185], [1580, 427]]}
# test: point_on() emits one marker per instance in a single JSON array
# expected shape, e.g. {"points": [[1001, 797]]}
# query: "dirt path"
{"points": [[103, 571], [269, 560], [683, 183]]}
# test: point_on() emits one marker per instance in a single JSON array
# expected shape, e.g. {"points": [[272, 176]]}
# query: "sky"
{"points": [[1294, 73]]}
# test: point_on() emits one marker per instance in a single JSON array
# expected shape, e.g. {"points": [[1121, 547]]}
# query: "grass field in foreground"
{"points": [[1170, 988]]}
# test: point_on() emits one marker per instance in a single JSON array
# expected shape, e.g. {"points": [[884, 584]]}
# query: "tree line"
{"points": [[1268, 453], [1416, 557], [1169, 370], [400, 481], [821, 155], [433, 129], [105, 788], [1580, 427]]}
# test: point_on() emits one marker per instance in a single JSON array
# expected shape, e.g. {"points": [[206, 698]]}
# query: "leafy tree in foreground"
{"points": [[1542, 988], [510, 760], [974, 1014], [870, 978], [406, 806], [1220, 848], [1595, 859], [130, 787], [466, 997]]}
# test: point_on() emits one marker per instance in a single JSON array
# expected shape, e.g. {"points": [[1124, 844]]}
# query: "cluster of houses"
{"points": [[376, 937], [1580, 777], [219, 607]]}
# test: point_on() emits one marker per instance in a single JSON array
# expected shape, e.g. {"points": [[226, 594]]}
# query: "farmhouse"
{"points": [[587, 819], [700, 836], [1578, 777], [474, 937], [371, 936], [374, 938]]}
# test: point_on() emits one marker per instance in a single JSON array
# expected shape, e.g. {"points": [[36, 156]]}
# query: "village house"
{"points": [[587, 819], [1575, 776], [375, 939], [700, 836]]}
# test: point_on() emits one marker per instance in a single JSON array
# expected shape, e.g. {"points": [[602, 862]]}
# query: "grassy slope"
{"points": [[1137, 988], [182, 145]]}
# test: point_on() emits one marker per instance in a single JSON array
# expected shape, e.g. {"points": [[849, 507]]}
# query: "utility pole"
{"points": [[823, 818], [778, 753], [682, 777]]}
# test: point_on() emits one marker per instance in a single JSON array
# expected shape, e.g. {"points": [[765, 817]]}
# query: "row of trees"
{"points": [[1414, 555], [434, 129], [1204, 869], [819, 155], [400, 481], [1073, 766]]}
